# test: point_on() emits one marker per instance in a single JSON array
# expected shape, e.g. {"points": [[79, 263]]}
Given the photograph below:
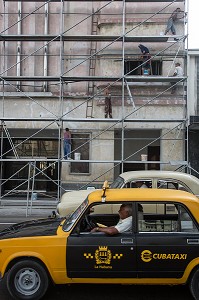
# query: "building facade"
{"points": [[58, 59]]}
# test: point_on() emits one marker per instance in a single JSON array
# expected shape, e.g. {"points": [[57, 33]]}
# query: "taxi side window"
{"points": [[164, 217], [186, 222], [99, 215]]}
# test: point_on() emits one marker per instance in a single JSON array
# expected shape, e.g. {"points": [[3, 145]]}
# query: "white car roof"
{"points": [[191, 181], [70, 200]]}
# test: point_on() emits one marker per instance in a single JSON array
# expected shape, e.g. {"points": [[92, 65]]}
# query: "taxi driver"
{"points": [[124, 224]]}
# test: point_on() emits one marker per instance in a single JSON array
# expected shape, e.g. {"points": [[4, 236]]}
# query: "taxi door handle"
{"points": [[126, 241], [193, 241]]}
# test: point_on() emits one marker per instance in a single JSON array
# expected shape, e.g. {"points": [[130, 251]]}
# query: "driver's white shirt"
{"points": [[124, 225]]}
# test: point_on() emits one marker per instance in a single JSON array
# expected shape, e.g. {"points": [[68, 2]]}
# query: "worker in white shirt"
{"points": [[177, 73]]}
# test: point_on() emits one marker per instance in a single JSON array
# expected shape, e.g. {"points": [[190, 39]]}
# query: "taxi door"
{"points": [[96, 255], [166, 250], [165, 255]]}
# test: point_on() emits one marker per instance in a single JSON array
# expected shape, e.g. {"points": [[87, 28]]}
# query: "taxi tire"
{"points": [[27, 279], [194, 285]]}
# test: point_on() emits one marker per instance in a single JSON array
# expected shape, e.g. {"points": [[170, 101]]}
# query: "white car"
{"points": [[148, 179]]}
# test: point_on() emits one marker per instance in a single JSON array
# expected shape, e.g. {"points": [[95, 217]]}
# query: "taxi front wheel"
{"points": [[27, 279], [194, 285]]}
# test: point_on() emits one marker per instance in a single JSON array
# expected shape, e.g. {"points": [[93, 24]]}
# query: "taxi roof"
{"points": [[137, 194]]}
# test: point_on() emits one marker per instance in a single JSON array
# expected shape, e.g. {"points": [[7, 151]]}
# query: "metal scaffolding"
{"points": [[68, 105]]}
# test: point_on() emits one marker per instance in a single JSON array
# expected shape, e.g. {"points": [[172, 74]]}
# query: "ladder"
{"points": [[130, 95], [92, 65], [10, 140]]}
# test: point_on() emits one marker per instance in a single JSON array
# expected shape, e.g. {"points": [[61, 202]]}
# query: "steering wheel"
{"points": [[90, 223]]}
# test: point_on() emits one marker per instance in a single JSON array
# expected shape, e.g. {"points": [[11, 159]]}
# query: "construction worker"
{"points": [[146, 62], [176, 15], [108, 104], [178, 73]]}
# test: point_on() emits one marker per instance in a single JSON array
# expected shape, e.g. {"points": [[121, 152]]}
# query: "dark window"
{"points": [[19, 175], [133, 67], [80, 151], [35, 148]]}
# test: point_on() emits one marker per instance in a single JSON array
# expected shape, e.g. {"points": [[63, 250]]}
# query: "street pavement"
{"points": [[16, 214], [109, 292]]}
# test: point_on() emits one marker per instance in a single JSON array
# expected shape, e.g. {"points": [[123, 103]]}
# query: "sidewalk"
{"points": [[13, 210], [23, 212]]}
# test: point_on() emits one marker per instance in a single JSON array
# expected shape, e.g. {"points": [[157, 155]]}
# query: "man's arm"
{"points": [[181, 14], [108, 230]]}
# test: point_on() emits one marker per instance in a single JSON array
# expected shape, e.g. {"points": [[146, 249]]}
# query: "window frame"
{"points": [[136, 67]]}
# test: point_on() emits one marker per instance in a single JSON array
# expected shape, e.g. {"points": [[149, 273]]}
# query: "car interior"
{"points": [[151, 217], [166, 217]]}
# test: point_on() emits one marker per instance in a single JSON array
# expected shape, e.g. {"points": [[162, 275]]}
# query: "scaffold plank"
{"points": [[68, 79], [100, 120], [86, 38], [94, 1]]}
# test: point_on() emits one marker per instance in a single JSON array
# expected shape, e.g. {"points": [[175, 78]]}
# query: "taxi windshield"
{"points": [[118, 183], [75, 215]]}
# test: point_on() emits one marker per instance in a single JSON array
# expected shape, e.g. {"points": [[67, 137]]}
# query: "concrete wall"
{"points": [[192, 82]]}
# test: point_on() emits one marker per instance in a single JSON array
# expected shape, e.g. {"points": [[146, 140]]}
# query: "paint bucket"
{"points": [[77, 156], [34, 196], [144, 157]]}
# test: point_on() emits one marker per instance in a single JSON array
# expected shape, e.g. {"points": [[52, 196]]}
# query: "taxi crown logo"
{"points": [[103, 248], [103, 255]]}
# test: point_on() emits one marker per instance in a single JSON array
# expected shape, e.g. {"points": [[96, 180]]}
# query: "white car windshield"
{"points": [[118, 183], [75, 215]]}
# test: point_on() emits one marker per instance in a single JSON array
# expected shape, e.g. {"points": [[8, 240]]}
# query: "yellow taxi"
{"points": [[160, 246]]}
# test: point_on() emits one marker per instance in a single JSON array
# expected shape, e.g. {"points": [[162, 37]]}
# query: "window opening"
{"points": [[16, 172], [35, 148], [133, 67], [80, 149]]}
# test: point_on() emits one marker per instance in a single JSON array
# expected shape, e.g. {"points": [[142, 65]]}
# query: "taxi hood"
{"points": [[40, 227]]}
